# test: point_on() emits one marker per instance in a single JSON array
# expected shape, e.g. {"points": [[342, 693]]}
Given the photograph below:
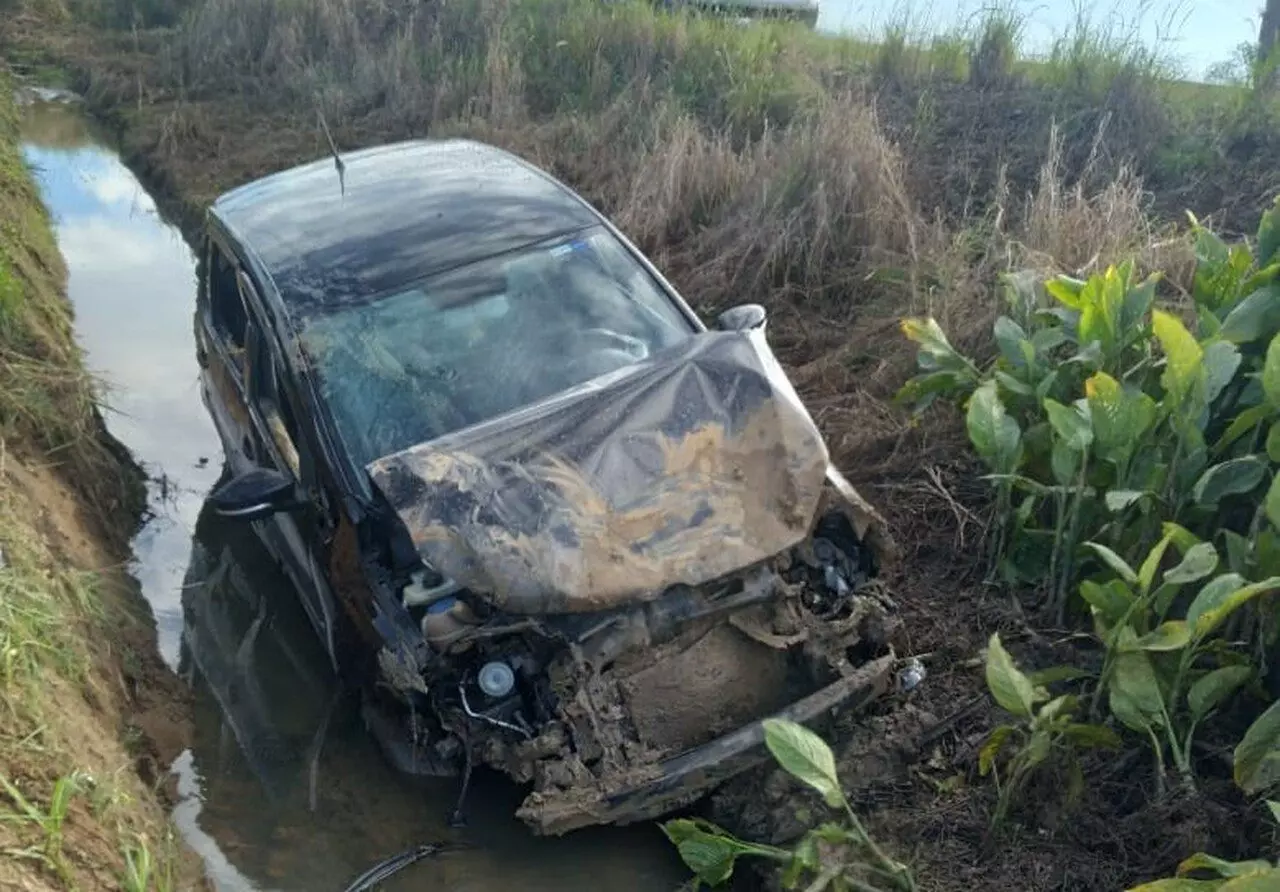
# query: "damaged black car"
{"points": [[540, 515]]}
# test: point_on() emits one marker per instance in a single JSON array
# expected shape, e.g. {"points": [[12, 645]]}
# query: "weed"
{"points": [[1046, 739], [49, 820], [836, 855]]}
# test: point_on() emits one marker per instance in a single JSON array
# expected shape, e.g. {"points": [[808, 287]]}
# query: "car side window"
{"points": [[266, 387], [225, 303]]}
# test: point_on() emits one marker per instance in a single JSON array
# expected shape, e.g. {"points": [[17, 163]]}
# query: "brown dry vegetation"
{"points": [[840, 190], [79, 673]]}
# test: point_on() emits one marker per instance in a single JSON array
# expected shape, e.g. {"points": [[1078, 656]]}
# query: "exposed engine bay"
{"points": [[613, 589], [582, 706]]}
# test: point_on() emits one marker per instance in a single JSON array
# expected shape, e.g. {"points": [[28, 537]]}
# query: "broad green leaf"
{"points": [[1114, 561], [1274, 807], [1215, 687], [1221, 360], [1271, 373], [1065, 290], [1009, 338], [1101, 300], [1269, 235], [928, 334], [1047, 339], [1263, 881], [1010, 688], [1255, 317], [1180, 536], [1212, 615], [1242, 424], [1171, 635], [1119, 499], [1214, 592], [1151, 563], [1111, 599], [805, 756], [1012, 384], [1273, 443], [920, 390], [1271, 505], [1257, 755], [1184, 357], [1037, 748], [1135, 693], [1178, 884], [1070, 425], [1223, 868], [1065, 462], [991, 749], [995, 435], [709, 857], [1048, 713], [1091, 736], [1055, 674], [1120, 416], [1199, 561], [1234, 476], [1137, 303], [1238, 551]]}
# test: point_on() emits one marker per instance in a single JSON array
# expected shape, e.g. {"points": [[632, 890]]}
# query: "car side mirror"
{"points": [[741, 318], [255, 494]]}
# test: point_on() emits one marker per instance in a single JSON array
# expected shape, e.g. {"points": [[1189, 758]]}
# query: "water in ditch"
{"points": [[281, 787]]}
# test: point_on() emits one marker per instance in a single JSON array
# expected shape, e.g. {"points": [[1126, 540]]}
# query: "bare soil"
{"points": [[122, 725]]}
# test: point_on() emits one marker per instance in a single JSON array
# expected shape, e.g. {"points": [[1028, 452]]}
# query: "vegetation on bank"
{"points": [[845, 185], [73, 815]]}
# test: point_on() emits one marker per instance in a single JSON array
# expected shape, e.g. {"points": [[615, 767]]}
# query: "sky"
{"points": [[1199, 33]]}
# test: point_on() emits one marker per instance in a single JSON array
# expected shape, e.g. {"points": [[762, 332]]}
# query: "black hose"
{"points": [[388, 867]]}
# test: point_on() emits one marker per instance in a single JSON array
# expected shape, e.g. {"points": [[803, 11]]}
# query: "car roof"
{"points": [[397, 213]]}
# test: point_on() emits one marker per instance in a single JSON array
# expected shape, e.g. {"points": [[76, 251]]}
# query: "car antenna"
{"points": [[333, 148]]}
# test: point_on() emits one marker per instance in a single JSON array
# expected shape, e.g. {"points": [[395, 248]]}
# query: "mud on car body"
{"points": [[542, 516]]}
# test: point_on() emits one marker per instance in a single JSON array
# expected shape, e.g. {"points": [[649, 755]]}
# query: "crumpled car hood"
{"points": [[678, 470]]}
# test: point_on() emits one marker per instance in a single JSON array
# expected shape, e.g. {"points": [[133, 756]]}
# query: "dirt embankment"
{"points": [[91, 717]]}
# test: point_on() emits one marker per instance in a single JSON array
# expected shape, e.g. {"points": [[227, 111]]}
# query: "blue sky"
{"points": [[1198, 32]]}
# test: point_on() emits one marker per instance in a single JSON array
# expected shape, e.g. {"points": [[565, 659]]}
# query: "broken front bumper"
{"points": [[681, 780]]}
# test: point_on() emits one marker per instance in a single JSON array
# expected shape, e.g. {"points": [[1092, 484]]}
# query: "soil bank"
{"points": [[85, 698]]}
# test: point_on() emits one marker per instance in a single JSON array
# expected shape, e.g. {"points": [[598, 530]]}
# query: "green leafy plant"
{"points": [[1257, 756], [1163, 676], [1205, 873], [1046, 736], [1102, 415], [836, 855]]}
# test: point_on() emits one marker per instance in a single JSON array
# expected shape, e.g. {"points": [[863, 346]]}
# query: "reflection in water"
{"points": [[283, 788], [325, 805], [131, 279]]}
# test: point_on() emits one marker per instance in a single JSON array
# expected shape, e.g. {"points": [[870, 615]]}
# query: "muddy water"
{"points": [[281, 787]]}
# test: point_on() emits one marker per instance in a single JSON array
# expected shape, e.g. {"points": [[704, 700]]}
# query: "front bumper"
{"points": [[682, 779]]}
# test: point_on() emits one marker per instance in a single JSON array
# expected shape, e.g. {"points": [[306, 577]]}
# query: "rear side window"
{"points": [[225, 303]]}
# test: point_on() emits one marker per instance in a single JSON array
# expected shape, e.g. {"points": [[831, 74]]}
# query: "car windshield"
{"points": [[475, 342]]}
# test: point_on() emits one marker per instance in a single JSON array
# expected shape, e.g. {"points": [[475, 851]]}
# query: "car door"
{"points": [[299, 538], [221, 349]]}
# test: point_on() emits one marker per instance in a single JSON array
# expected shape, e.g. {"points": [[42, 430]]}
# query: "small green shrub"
{"points": [[1103, 416], [1163, 676], [837, 855], [1046, 739]]}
